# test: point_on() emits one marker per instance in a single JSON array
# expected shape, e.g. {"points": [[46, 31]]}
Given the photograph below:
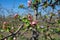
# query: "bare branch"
{"points": [[14, 32]]}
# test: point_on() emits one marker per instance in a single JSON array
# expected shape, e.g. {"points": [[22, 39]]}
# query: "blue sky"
{"points": [[13, 4]]}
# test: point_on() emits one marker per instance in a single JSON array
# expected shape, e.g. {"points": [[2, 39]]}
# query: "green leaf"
{"points": [[45, 5], [8, 29], [34, 1], [1, 36], [21, 6], [58, 29], [58, 21], [27, 24], [18, 16], [10, 38], [39, 0], [45, 16]]}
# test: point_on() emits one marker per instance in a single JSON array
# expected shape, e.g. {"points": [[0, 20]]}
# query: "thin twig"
{"points": [[13, 33]]}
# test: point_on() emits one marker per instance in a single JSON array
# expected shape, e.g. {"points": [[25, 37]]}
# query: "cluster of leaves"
{"points": [[41, 3], [47, 28]]}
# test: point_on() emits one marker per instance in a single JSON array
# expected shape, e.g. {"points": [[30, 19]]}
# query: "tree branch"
{"points": [[13, 33]]}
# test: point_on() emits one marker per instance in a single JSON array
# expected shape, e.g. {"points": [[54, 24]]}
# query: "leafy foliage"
{"points": [[46, 27]]}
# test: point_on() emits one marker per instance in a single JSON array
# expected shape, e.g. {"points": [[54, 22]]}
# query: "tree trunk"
{"points": [[35, 14]]}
